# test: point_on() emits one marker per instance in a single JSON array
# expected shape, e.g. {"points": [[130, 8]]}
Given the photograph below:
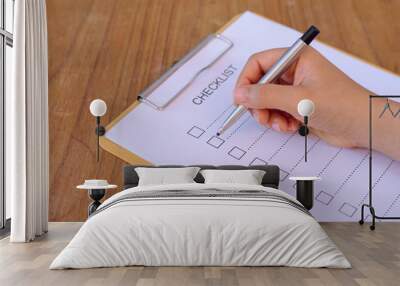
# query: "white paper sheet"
{"points": [[184, 132]]}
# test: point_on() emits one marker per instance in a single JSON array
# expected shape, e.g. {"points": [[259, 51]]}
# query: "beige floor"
{"points": [[375, 257]]}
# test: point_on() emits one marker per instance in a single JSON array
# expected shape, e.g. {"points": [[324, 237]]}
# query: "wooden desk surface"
{"points": [[113, 49]]}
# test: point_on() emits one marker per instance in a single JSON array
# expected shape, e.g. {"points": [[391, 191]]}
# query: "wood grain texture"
{"points": [[375, 258], [113, 49]]}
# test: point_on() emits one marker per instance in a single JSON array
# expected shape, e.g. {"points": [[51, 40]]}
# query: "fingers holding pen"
{"points": [[257, 66], [272, 105], [277, 120]]}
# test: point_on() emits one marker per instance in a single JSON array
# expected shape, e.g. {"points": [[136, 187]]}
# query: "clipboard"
{"points": [[144, 98]]}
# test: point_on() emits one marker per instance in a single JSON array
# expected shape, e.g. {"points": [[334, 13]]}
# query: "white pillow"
{"points": [[248, 177], [165, 176]]}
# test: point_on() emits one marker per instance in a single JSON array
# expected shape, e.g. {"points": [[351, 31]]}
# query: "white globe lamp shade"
{"points": [[98, 107], [305, 107]]}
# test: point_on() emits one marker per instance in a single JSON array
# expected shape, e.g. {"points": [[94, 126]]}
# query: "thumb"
{"points": [[270, 96]]}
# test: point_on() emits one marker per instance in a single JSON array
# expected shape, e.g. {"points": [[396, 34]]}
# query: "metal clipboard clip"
{"points": [[203, 56]]}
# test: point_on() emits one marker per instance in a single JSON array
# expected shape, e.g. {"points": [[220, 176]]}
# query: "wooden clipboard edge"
{"points": [[132, 158], [120, 151], [117, 150]]}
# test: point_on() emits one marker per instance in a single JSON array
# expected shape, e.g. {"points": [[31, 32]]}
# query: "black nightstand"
{"points": [[96, 190], [305, 190]]}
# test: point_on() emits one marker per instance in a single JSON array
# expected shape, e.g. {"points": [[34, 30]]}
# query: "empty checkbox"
{"points": [[215, 141], [324, 197], [257, 162], [283, 175], [196, 132], [348, 209], [237, 153]]}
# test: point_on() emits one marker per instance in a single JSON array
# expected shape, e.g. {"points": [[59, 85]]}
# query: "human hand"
{"points": [[341, 114]]}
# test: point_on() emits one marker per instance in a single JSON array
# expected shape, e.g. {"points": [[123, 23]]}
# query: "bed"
{"points": [[201, 224]]}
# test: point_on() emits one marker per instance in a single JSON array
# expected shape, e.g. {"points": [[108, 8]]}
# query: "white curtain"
{"points": [[27, 124]]}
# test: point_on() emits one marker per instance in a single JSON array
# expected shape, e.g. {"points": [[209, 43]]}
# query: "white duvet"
{"points": [[200, 231]]}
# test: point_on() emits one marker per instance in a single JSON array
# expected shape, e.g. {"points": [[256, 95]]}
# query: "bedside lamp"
{"points": [[305, 108], [98, 108]]}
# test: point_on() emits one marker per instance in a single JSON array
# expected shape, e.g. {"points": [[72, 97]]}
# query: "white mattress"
{"points": [[200, 231]]}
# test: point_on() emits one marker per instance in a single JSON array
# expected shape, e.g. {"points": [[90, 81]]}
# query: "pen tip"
{"points": [[218, 133]]}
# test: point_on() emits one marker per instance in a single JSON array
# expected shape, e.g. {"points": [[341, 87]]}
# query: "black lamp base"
{"points": [[100, 130], [303, 130]]}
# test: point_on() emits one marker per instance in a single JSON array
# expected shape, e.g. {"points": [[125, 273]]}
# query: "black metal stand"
{"points": [[100, 131], [305, 193], [303, 131], [370, 205], [96, 195]]}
